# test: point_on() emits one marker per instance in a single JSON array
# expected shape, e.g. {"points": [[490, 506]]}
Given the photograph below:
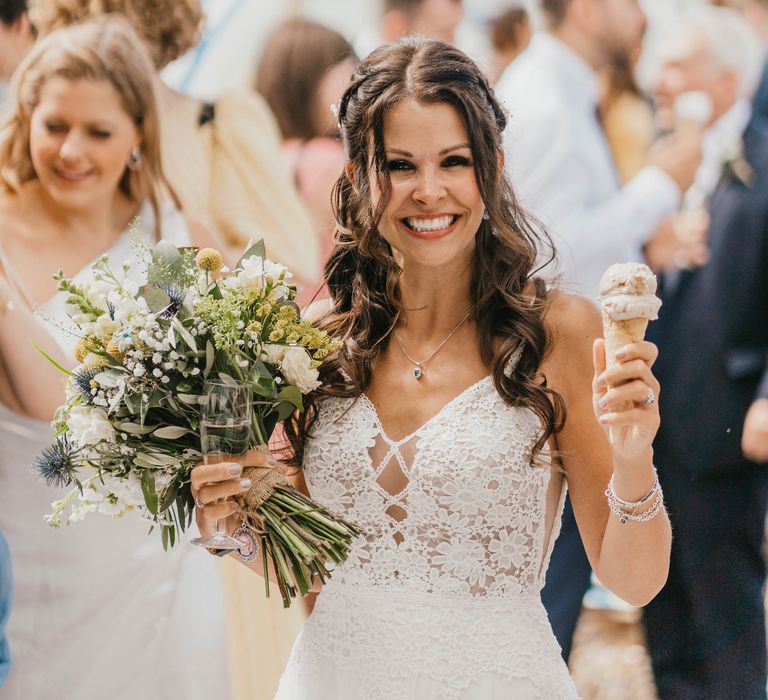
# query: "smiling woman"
{"points": [[451, 447], [79, 160]]}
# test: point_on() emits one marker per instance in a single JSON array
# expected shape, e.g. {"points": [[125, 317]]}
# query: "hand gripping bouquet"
{"points": [[128, 434]]}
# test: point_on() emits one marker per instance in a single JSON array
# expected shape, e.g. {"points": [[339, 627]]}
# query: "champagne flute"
{"points": [[225, 436]]}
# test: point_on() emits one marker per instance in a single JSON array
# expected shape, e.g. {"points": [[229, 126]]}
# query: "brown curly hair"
{"points": [[169, 27], [362, 274]]}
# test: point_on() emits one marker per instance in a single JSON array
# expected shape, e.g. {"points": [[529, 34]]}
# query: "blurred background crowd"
{"points": [[638, 130]]}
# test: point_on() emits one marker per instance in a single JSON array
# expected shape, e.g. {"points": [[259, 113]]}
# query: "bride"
{"points": [[467, 398], [99, 609]]}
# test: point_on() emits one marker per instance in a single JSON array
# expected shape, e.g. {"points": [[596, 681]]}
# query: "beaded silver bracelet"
{"points": [[620, 507]]}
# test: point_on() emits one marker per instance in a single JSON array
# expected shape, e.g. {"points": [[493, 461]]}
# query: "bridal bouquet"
{"points": [[129, 432]]}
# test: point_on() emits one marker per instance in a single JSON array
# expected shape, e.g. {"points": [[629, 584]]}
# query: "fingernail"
{"points": [[601, 381], [604, 418], [621, 354], [235, 469], [271, 461], [602, 403], [245, 483]]}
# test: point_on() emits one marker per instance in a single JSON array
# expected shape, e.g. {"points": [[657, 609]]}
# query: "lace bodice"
{"points": [[456, 508]]}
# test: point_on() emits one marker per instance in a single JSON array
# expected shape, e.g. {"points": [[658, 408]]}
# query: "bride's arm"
{"points": [[630, 558]]}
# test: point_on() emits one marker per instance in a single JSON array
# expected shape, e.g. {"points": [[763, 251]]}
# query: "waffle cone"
{"points": [[617, 334]]}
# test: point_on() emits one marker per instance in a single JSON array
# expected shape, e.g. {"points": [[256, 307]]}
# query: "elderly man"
{"points": [[563, 171], [706, 629]]}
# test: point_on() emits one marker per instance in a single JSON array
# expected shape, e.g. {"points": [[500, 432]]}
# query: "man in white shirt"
{"points": [[556, 151], [563, 172]]}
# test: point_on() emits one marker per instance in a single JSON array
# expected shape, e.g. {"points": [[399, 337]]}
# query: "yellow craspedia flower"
{"points": [[113, 348], [96, 362], [81, 350], [209, 260]]}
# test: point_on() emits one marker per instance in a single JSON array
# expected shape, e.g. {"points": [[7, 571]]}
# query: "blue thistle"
{"points": [[55, 464], [175, 296], [111, 310], [82, 380]]}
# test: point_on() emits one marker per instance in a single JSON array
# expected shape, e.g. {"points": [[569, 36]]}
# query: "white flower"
{"points": [[89, 426], [298, 370], [273, 353], [275, 271], [104, 327], [130, 287]]}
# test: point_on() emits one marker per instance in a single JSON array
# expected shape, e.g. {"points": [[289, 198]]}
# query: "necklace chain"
{"points": [[418, 372]]}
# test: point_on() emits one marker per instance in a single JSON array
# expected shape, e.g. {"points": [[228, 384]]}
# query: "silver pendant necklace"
{"points": [[418, 371]]}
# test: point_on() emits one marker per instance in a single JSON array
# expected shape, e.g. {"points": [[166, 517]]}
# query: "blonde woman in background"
{"points": [[223, 158], [224, 162], [99, 610]]}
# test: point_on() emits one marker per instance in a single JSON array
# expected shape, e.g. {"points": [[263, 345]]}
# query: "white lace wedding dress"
{"points": [[439, 599]]}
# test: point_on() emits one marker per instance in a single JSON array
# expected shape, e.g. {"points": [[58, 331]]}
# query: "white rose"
{"points": [[89, 426], [252, 272], [275, 270], [297, 368], [272, 353]]}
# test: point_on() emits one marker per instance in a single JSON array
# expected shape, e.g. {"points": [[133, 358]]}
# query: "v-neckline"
{"points": [[443, 409]]}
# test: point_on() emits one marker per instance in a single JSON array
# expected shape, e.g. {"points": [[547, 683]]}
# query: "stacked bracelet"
{"points": [[627, 510]]}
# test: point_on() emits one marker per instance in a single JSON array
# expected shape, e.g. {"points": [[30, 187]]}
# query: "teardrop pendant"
{"points": [[417, 372]]}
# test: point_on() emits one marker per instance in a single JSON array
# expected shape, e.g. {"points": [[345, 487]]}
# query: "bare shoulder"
{"points": [[574, 322]]}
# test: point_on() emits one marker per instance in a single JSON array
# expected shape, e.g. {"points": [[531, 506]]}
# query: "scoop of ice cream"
{"points": [[628, 290]]}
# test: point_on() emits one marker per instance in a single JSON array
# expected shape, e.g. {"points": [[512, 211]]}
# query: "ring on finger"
{"points": [[650, 398], [199, 503]]}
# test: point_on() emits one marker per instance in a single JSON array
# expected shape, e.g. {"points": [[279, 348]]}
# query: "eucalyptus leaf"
{"points": [[291, 394], [185, 334], [156, 298], [136, 429], [170, 432], [209, 358], [148, 489], [258, 249]]}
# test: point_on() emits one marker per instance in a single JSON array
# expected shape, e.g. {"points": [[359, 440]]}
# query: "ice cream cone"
{"points": [[617, 334], [629, 302]]}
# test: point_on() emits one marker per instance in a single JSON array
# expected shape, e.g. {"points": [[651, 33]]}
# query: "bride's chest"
{"points": [[473, 455]]}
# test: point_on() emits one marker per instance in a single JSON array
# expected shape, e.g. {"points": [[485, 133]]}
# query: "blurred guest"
{"points": [[627, 118], [6, 597], [303, 71], [435, 19], [563, 170], [221, 157], [99, 608], [706, 629], [510, 34], [756, 12], [16, 36]]}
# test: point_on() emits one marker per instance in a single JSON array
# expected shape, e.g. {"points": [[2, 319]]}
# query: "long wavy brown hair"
{"points": [[362, 274]]}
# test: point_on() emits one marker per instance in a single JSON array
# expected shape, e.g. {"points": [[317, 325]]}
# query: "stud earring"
{"points": [[134, 159], [486, 216]]}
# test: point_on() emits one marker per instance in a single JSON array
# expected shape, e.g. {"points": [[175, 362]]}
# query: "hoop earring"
{"points": [[134, 159]]}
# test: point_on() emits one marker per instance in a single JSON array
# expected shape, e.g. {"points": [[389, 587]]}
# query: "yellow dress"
{"points": [[228, 174], [629, 129]]}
